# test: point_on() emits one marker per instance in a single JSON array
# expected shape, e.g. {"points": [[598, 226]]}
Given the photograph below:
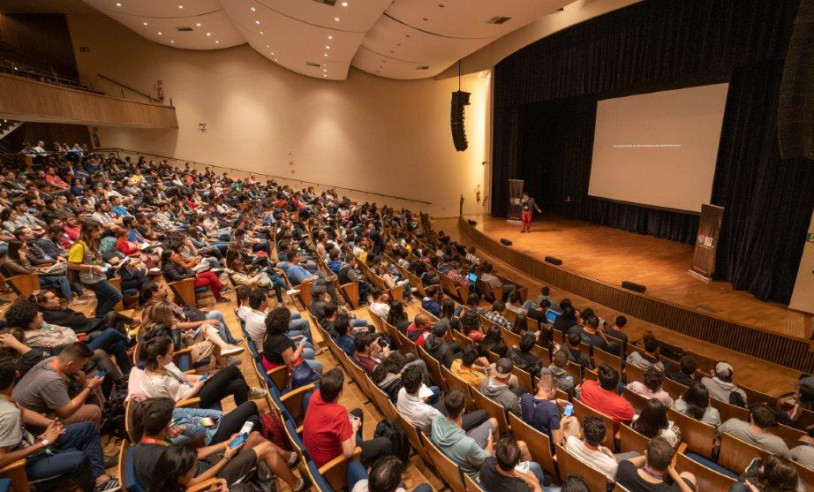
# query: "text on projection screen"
{"points": [[658, 149]]}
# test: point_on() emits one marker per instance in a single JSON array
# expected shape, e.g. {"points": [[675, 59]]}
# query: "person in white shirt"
{"points": [[410, 404], [590, 450], [381, 303], [255, 320], [242, 293]]}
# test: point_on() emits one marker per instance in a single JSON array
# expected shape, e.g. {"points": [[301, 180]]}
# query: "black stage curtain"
{"points": [[661, 45]]}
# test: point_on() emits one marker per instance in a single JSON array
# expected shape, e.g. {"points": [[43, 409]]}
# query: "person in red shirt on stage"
{"points": [[602, 396], [329, 430], [527, 203]]}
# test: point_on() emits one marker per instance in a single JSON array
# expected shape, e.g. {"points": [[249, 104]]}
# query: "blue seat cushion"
{"points": [[712, 465], [321, 484]]}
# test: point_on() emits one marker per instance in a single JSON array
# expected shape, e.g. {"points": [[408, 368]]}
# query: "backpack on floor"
{"points": [[273, 429], [113, 413], [400, 443]]}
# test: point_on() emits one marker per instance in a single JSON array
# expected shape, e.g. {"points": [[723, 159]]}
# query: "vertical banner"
{"points": [[515, 195], [706, 243]]}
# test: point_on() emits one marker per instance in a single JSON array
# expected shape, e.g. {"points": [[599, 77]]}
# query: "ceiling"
{"points": [[399, 39]]}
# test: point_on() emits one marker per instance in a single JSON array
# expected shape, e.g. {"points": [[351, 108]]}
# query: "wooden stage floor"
{"points": [[613, 255]]}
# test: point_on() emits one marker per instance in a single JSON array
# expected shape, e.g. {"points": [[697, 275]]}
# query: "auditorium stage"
{"points": [[612, 255]]}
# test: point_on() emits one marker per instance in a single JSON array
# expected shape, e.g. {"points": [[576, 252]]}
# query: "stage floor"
{"points": [[613, 255]]}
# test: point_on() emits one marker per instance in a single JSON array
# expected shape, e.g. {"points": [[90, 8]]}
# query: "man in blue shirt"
{"points": [[297, 274], [116, 206], [542, 410]]}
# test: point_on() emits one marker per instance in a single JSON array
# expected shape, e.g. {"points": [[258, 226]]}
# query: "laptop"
{"points": [[472, 278], [551, 315]]}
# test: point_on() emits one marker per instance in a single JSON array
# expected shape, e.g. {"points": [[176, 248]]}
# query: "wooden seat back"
{"points": [[633, 373], [735, 455], [729, 411], [571, 465], [542, 354], [456, 383], [509, 337], [413, 436], [638, 401], [630, 440], [434, 368], [707, 478], [524, 379], [699, 436], [806, 475], [539, 444], [603, 357], [673, 388], [184, 291], [117, 282], [581, 411], [24, 285], [448, 469], [493, 408], [755, 396], [407, 345], [575, 370]]}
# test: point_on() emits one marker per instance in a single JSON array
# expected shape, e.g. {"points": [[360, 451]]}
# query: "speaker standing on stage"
{"points": [[528, 203]]}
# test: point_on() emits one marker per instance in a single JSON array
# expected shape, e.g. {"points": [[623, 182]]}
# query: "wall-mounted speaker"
{"points": [[505, 242], [472, 222], [459, 100], [553, 261], [633, 286]]}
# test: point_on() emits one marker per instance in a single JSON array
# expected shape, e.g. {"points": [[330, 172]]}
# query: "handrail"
{"points": [[267, 176], [142, 94]]}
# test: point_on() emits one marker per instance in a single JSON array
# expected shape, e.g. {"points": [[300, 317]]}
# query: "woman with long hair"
{"points": [[16, 263], [174, 271], [398, 316], [652, 422], [695, 403], [204, 341], [85, 258], [163, 379], [776, 474]]}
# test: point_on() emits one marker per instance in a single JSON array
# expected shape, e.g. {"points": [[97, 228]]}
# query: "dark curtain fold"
{"points": [[661, 45]]}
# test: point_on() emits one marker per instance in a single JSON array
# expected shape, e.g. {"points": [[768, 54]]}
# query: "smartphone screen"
{"points": [[237, 442], [205, 376], [101, 374], [568, 410], [207, 422]]}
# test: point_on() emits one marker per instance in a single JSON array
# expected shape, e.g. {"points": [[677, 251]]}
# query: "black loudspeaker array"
{"points": [[795, 112], [633, 286], [459, 100], [505, 242]]}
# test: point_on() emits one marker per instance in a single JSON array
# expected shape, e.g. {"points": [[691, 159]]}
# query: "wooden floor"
{"points": [[612, 255], [749, 371]]}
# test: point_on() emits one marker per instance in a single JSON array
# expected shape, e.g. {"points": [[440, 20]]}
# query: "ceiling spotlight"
{"points": [[326, 54], [324, 75], [253, 9], [261, 32], [180, 6], [209, 34], [257, 22], [118, 4], [324, 69], [267, 46], [160, 33], [344, 4], [172, 41], [217, 42], [330, 37], [146, 24], [198, 24], [275, 59], [336, 19], [272, 54], [327, 47]]}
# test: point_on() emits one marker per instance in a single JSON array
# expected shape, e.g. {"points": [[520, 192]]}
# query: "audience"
{"points": [[648, 472], [467, 449], [695, 403], [602, 396], [757, 431], [721, 387], [650, 387]]}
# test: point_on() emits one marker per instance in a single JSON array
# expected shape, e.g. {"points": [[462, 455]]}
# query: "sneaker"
{"points": [[256, 393], [232, 350], [303, 486], [291, 292], [237, 341], [233, 361], [111, 460], [109, 486], [78, 302], [223, 299], [294, 461]]}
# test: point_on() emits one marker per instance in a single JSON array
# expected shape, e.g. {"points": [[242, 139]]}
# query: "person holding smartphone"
{"points": [[542, 411]]}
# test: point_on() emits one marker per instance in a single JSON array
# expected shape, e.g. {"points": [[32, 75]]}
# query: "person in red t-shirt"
{"points": [[329, 430], [602, 396], [419, 329]]}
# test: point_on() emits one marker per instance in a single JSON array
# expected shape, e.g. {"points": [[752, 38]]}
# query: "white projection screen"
{"points": [[658, 149]]}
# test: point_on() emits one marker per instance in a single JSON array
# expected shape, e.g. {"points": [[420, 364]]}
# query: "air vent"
{"points": [[498, 20], [312, 64], [184, 29], [330, 3], [422, 67]]}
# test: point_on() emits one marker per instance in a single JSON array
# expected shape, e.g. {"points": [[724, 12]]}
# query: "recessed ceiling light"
{"points": [[324, 69], [160, 33], [146, 24], [326, 54], [272, 54], [198, 24], [330, 37], [180, 6], [254, 9], [336, 19], [217, 42], [344, 4], [327, 47], [267, 46], [257, 22], [172, 41], [324, 75], [118, 4], [261, 33], [275, 59], [209, 34]]}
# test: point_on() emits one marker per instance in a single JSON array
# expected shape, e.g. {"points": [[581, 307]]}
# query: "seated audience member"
{"points": [[467, 369], [471, 325], [387, 375], [686, 371], [652, 422], [385, 476], [380, 305], [721, 387], [775, 474], [542, 410], [163, 379], [498, 473], [589, 449], [329, 430], [565, 381], [438, 348], [602, 396], [79, 458], [341, 334], [648, 358], [497, 387], [574, 349], [418, 331], [153, 420], [175, 471], [57, 386], [492, 342], [54, 314], [411, 404], [522, 357], [574, 483], [279, 349], [651, 387], [792, 405], [495, 315], [695, 403], [467, 450], [647, 472], [368, 352], [757, 431], [397, 317], [590, 332], [431, 303], [616, 330], [803, 453]]}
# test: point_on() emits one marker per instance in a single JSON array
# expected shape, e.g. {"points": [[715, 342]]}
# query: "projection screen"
{"points": [[658, 149]]}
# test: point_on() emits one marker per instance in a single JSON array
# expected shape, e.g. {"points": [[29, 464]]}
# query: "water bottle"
{"points": [[247, 428]]}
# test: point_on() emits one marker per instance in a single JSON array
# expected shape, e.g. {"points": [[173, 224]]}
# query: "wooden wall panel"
{"points": [[773, 347], [28, 100]]}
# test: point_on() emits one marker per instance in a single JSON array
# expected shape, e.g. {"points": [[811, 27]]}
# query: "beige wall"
{"points": [[367, 132]]}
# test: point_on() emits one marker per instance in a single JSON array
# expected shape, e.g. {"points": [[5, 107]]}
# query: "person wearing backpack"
{"points": [[542, 411]]}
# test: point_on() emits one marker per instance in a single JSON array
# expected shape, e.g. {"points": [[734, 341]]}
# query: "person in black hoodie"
{"points": [[439, 349], [48, 304], [522, 357]]}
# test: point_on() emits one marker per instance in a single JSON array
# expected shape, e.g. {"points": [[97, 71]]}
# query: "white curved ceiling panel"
{"points": [[399, 39]]}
